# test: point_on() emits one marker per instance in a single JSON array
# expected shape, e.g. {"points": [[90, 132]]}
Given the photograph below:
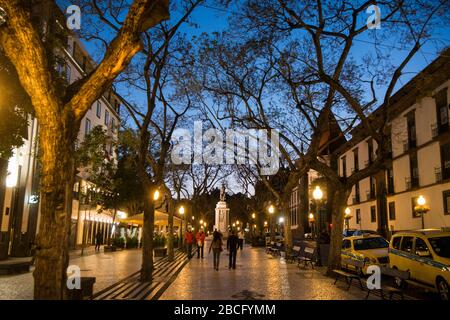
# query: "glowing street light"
{"points": [[422, 208], [265, 223], [421, 201], [156, 195], [317, 193], [253, 215], [237, 222], [193, 218], [281, 220], [201, 221], [271, 209], [181, 210]]}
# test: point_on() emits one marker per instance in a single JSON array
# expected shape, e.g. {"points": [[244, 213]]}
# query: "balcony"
{"points": [[412, 182], [437, 129], [370, 194], [355, 199], [438, 174]]}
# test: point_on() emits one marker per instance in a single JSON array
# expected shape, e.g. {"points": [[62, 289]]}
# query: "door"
{"points": [[409, 262], [425, 270]]}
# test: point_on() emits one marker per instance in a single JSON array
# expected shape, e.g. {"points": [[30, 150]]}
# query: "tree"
{"points": [[59, 113]]}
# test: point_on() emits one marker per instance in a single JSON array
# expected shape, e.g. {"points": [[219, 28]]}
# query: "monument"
{"points": [[222, 214]]}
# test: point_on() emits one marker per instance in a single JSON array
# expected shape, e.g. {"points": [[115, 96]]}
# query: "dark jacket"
{"points": [[232, 242]]}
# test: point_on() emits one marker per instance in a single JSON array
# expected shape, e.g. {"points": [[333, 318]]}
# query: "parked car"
{"points": [[426, 255], [348, 232], [361, 232], [372, 249]]}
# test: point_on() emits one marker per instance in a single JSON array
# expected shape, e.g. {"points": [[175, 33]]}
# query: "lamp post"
{"points": [[422, 208], [347, 218], [312, 221], [317, 195], [271, 210], [181, 212]]}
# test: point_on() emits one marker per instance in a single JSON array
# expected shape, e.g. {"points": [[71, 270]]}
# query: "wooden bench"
{"points": [[349, 277], [86, 289], [14, 267], [306, 255], [294, 254], [385, 288], [276, 249]]}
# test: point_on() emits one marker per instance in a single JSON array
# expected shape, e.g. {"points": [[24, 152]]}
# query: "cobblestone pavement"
{"points": [[108, 268], [257, 276]]}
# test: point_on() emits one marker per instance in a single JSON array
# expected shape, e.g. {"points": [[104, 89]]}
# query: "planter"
{"points": [[160, 252]]}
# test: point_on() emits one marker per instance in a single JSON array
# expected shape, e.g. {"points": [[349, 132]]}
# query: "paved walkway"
{"points": [[257, 276], [108, 268]]}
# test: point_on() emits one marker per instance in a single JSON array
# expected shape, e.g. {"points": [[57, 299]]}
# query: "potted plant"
{"points": [[159, 246], [118, 242]]}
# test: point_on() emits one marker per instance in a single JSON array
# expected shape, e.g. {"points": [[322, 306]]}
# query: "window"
{"points": [[445, 161], [370, 243], [446, 197], [344, 166], [106, 118], [390, 181], [370, 150], [87, 127], [407, 244], [411, 124], [355, 160], [358, 216], [373, 213], [396, 242], [346, 244], [441, 110], [113, 124], [99, 109], [294, 216], [357, 192], [413, 205], [421, 246], [414, 170], [392, 210], [372, 188]]}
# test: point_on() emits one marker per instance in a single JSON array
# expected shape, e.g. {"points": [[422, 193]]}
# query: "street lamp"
{"points": [[312, 221], [422, 208], [181, 212], [201, 221], [156, 195], [317, 195], [271, 212], [253, 215], [347, 217]]}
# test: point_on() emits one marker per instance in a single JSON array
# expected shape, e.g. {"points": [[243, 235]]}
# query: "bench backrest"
{"points": [[296, 248], [278, 244], [404, 275]]}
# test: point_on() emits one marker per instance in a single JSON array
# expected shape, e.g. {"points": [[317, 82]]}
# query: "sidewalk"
{"points": [[108, 268], [257, 276]]}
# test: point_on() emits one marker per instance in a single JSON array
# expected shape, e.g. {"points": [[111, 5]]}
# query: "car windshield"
{"points": [[441, 245], [370, 243]]}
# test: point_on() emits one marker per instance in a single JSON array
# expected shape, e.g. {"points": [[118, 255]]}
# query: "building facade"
{"points": [[419, 164]]}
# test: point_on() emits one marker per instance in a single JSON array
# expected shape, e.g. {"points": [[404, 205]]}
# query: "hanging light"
{"points": [[271, 209], [317, 193], [181, 210]]}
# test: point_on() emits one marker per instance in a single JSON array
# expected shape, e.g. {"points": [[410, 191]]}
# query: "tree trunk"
{"points": [[287, 226], [147, 245], [52, 256], [170, 238], [381, 193], [339, 204]]}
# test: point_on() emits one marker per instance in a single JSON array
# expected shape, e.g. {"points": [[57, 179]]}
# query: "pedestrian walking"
{"points": [[232, 246], [98, 240], [241, 239], [189, 239], [216, 246], [200, 238]]}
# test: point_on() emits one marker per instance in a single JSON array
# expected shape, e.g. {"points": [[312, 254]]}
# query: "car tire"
{"points": [[443, 289]]}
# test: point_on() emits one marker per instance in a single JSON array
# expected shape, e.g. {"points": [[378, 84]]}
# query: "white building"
{"points": [[420, 157]]}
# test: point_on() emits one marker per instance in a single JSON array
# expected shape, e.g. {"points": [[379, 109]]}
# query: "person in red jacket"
{"points": [[200, 237], [189, 239]]}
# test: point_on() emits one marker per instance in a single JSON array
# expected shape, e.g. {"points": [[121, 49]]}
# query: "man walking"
{"points": [[189, 239], [98, 241], [200, 238], [232, 246]]}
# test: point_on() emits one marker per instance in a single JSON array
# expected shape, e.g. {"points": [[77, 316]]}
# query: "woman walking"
{"points": [[216, 246]]}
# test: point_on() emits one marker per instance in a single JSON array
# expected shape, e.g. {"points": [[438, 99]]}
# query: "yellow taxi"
{"points": [[426, 255], [368, 248]]}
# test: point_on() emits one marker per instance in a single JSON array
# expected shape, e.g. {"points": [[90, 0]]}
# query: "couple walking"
{"points": [[189, 239], [232, 247]]}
